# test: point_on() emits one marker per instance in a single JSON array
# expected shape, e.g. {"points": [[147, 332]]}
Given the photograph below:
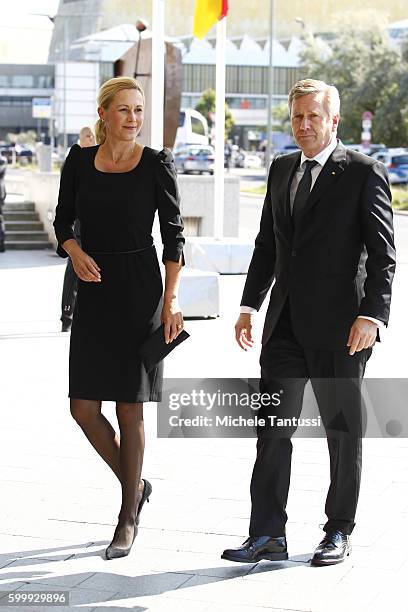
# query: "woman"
{"points": [[114, 188]]}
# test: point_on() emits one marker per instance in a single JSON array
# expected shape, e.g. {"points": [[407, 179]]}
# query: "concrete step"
{"points": [[13, 206], [20, 215], [27, 236], [23, 245], [33, 226]]}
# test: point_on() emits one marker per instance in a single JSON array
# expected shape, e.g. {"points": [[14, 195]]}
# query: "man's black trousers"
{"points": [[336, 380]]}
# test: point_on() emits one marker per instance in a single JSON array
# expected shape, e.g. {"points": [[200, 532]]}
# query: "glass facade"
{"points": [[246, 103], [8, 101], [29, 81], [240, 79], [106, 71]]}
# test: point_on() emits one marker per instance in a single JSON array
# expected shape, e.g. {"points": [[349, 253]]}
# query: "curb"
{"points": [[248, 194]]}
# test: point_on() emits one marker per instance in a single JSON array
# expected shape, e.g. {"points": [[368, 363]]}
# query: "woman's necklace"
{"points": [[122, 159]]}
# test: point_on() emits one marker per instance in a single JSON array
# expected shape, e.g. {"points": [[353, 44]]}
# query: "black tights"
{"points": [[124, 455]]}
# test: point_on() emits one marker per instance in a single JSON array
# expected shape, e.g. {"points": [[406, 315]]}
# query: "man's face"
{"points": [[312, 127]]}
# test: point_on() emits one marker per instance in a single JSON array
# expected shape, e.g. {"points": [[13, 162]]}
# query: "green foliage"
{"points": [[280, 114], [400, 198], [28, 137], [369, 74], [206, 105]]}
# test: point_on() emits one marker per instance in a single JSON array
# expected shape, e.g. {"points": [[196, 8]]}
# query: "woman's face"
{"points": [[86, 138], [124, 116]]}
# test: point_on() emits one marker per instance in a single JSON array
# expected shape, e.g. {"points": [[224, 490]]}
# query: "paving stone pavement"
{"points": [[59, 502]]}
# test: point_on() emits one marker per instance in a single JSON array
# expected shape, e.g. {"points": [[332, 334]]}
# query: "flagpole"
{"points": [[219, 128], [269, 140], [158, 54]]}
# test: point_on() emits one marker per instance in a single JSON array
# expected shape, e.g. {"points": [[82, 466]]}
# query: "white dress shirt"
{"points": [[321, 159]]}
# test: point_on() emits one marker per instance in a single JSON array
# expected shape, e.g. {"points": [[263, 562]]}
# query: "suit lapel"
{"points": [[329, 174]]}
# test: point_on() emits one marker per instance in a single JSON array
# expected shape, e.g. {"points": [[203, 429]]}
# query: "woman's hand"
{"points": [[85, 267], [172, 318]]}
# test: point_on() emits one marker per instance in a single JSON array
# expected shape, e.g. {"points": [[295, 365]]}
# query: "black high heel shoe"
{"points": [[113, 552], [147, 491]]}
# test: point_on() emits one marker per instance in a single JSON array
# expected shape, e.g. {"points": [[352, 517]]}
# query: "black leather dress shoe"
{"points": [[256, 548], [334, 548]]}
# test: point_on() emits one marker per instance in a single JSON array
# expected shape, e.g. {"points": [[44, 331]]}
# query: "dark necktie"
{"points": [[303, 190]]}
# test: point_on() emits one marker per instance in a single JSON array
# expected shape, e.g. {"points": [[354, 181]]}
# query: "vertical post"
{"points": [[64, 60], [270, 90], [51, 123], [219, 128], [158, 55]]}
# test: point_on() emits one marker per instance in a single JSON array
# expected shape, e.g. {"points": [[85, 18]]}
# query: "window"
{"points": [[201, 151], [400, 159], [240, 79], [198, 77], [22, 80], [106, 71], [197, 126], [45, 81], [18, 102], [243, 103]]}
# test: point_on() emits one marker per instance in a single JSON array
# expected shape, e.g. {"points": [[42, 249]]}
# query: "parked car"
{"points": [[252, 161], [21, 151], [371, 150], [396, 162], [292, 148], [194, 158]]}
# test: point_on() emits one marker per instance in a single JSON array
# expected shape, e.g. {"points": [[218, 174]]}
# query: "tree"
{"points": [[206, 106], [369, 74], [280, 114], [28, 137]]}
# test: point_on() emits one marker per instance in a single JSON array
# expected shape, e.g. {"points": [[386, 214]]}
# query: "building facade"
{"points": [[245, 17], [19, 84]]}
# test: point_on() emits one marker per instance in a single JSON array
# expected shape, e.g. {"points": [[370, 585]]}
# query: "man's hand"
{"points": [[243, 331], [363, 334]]}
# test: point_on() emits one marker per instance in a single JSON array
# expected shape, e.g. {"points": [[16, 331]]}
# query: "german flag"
{"points": [[207, 13]]}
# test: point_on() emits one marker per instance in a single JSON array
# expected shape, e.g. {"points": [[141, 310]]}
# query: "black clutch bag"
{"points": [[155, 348]]}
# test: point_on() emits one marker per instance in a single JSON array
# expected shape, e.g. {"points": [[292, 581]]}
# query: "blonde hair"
{"points": [[105, 96], [313, 86]]}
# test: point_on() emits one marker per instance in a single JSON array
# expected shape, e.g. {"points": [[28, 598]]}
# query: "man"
{"points": [[326, 238], [3, 168], [70, 287]]}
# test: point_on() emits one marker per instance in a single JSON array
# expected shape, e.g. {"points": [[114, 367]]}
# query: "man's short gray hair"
{"points": [[313, 86]]}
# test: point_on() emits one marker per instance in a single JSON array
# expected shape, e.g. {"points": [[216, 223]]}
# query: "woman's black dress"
{"points": [[113, 317]]}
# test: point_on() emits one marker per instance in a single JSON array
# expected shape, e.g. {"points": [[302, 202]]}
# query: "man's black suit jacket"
{"points": [[338, 262]]}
